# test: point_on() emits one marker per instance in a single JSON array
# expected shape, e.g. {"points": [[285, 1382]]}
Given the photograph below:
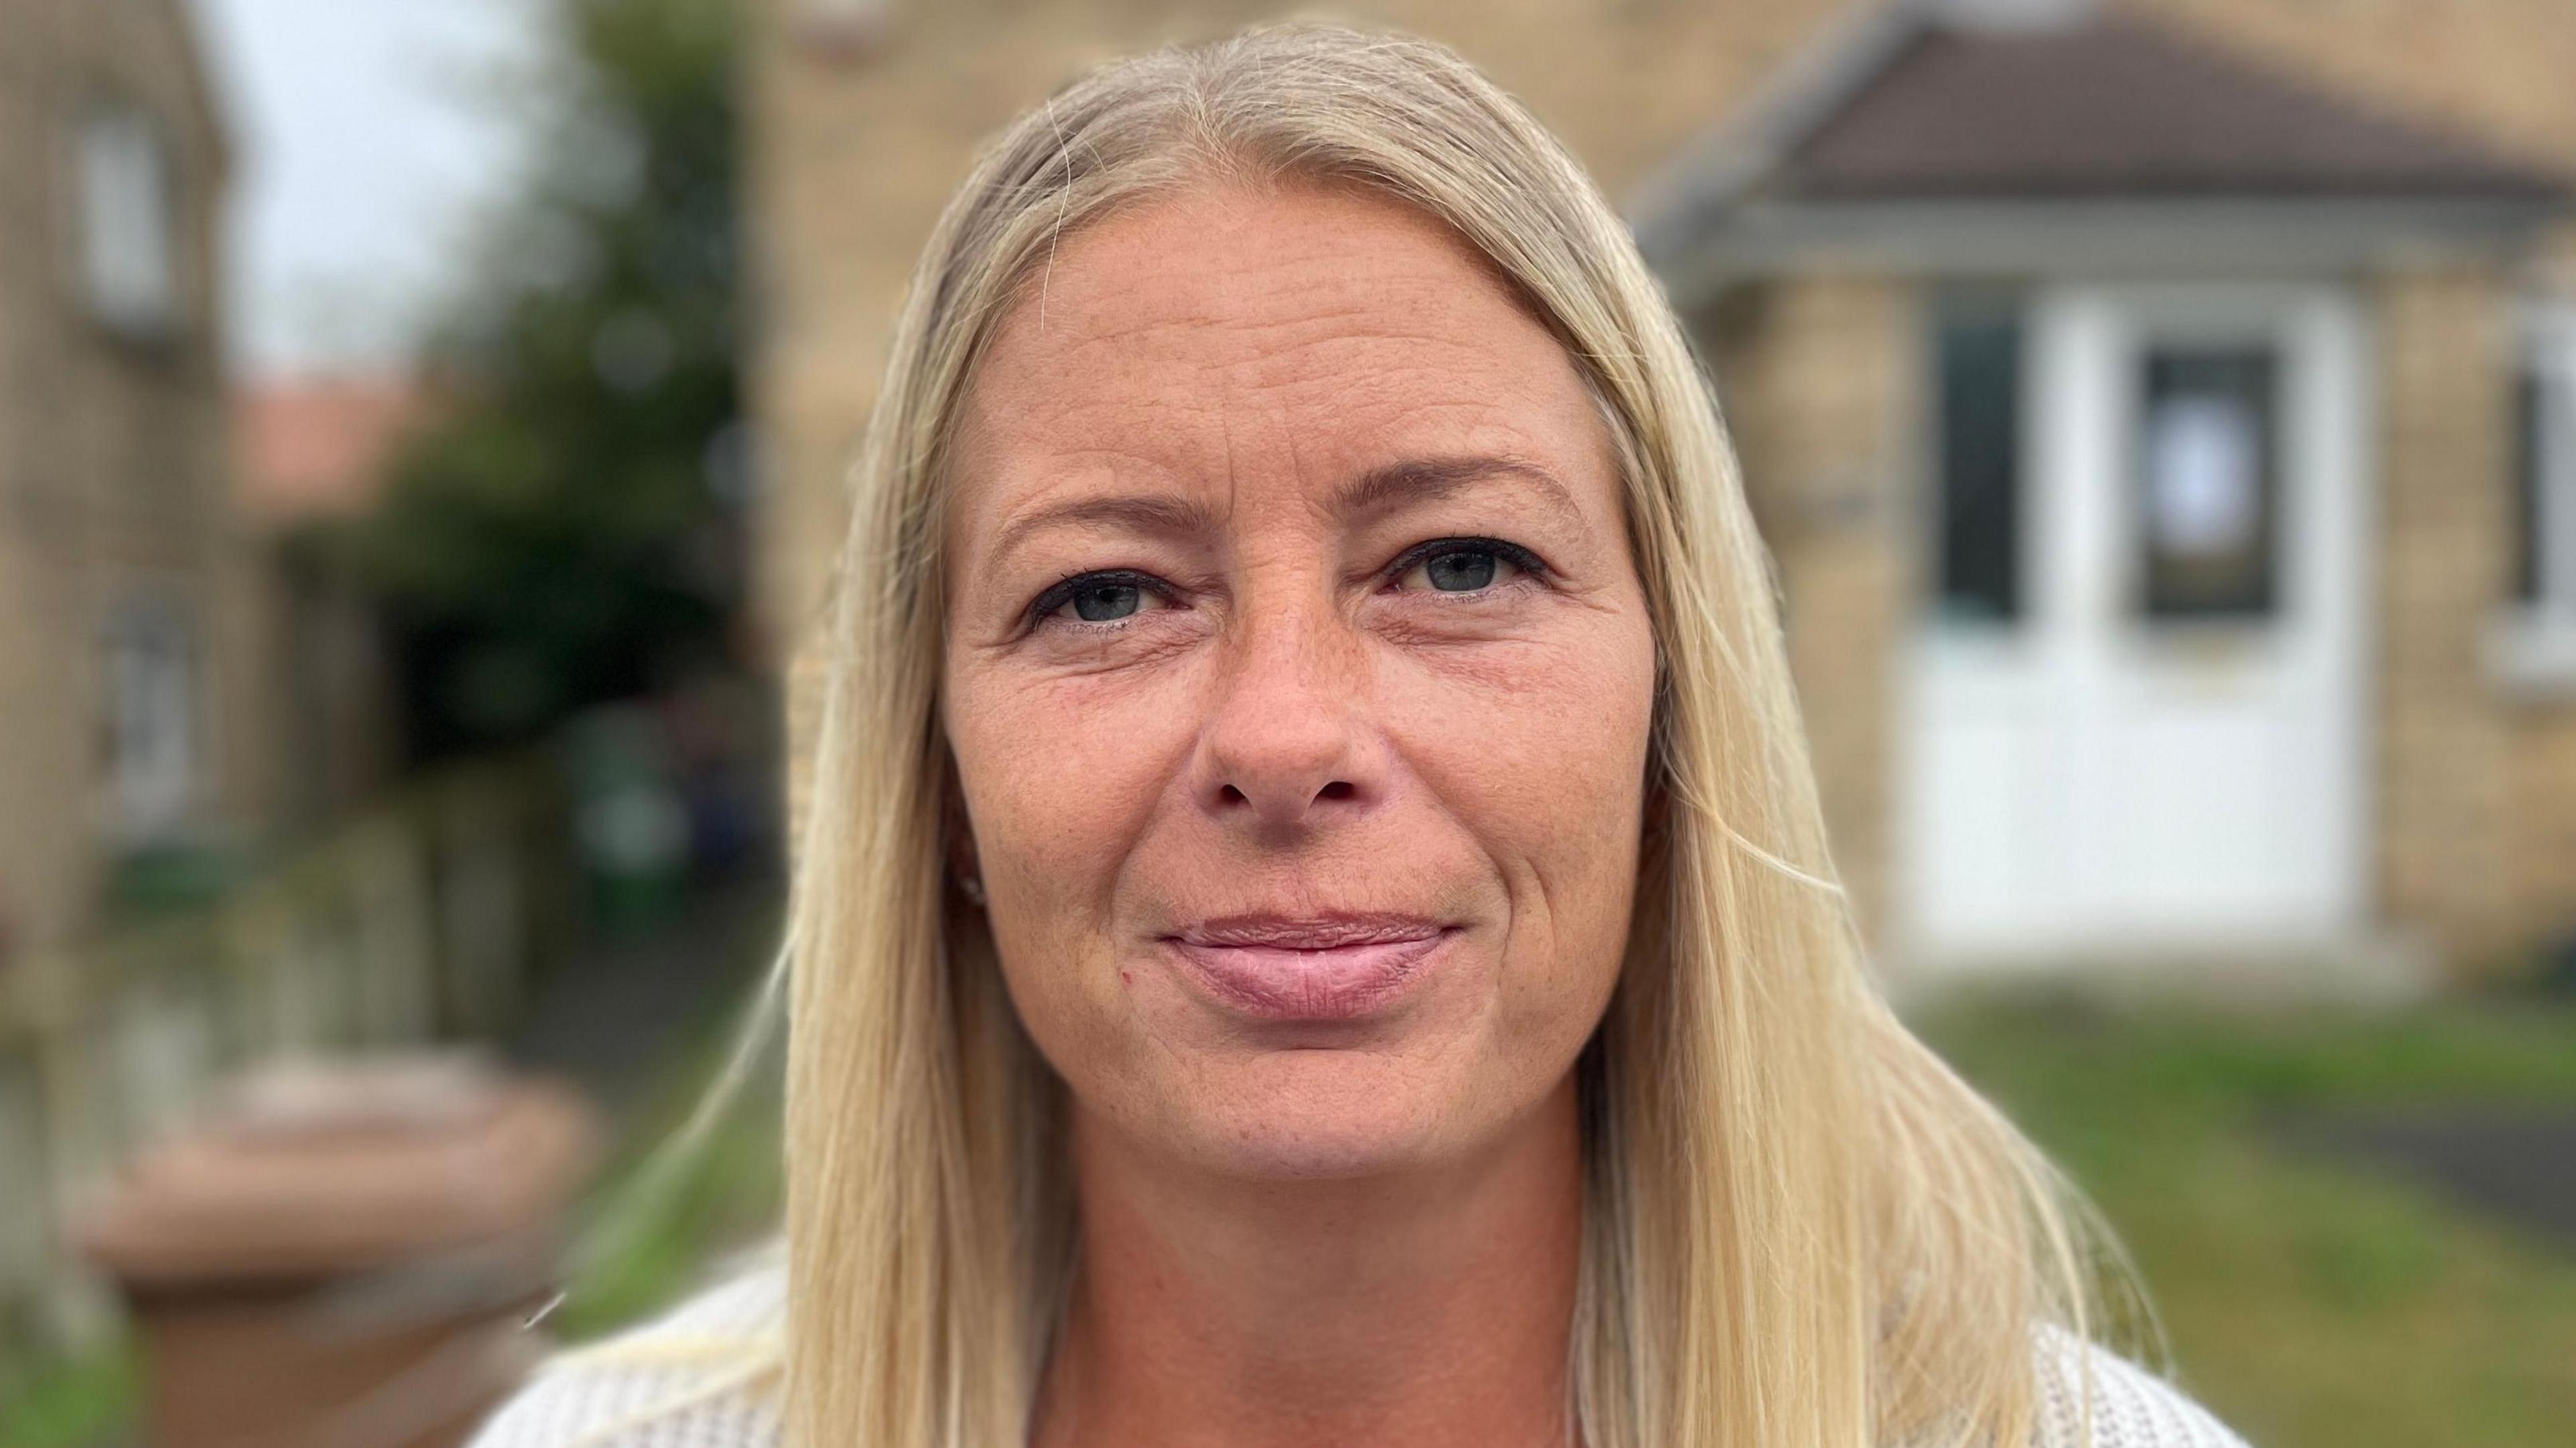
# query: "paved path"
{"points": [[2519, 1164], [613, 1017]]}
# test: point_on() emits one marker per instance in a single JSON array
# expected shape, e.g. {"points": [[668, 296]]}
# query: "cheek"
{"points": [[1061, 778], [1540, 751], [1552, 728], [1061, 775]]}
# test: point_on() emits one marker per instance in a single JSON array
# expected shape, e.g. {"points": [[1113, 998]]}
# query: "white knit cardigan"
{"points": [[667, 1384]]}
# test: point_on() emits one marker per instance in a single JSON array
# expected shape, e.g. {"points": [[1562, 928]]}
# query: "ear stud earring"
{"points": [[973, 885]]}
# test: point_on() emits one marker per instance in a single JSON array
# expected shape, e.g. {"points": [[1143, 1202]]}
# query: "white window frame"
{"points": [[2534, 644], [127, 185]]}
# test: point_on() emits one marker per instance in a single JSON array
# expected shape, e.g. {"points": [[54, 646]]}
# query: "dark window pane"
{"points": [[2207, 496], [1978, 572], [2530, 433]]}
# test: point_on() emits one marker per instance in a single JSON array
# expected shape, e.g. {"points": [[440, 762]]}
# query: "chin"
{"points": [[1318, 1114]]}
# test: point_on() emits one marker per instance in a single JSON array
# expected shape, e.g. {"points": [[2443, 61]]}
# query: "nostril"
{"points": [[1233, 795], [1338, 789]]}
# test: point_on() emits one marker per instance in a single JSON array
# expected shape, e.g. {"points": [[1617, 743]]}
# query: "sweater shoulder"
{"points": [[703, 1375], [2130, 1406], [700, 1375]]}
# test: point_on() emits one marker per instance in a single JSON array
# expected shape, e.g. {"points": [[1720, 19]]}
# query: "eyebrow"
{"points": [[1425, 480], [1384, 489], [1152, 513]]}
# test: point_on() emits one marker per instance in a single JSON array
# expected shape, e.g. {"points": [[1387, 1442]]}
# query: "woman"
{"points": [[1313, 924]]}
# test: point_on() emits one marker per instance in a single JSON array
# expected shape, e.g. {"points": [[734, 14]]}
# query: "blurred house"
{"points": [[127, 730], [2163, 415], [2167, 454], [313, 451]]}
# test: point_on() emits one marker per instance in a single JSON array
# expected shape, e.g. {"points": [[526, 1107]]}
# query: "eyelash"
{"points": [[1063, 590], [1511, 553]]}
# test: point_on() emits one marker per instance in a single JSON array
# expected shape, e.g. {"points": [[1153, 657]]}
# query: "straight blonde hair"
{"points": [[1800, 1227]]}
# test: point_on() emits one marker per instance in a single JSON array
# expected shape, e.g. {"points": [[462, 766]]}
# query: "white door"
{"points": [[2150, 738]]}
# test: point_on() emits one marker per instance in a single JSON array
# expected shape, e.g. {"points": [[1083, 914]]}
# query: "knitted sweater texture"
{"points": [[679, 1381]]}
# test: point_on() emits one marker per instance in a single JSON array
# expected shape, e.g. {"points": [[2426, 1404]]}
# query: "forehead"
{"points": [[1295, 334]]}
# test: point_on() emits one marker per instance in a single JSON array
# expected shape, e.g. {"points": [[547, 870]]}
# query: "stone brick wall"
{"points": [[2492, 69], [2444, 783], [2542, 835], [111, 448], [2476, 780], [1820, 379]]}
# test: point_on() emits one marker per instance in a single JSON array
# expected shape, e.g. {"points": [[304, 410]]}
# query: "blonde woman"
{"points": [[1312, 924]]}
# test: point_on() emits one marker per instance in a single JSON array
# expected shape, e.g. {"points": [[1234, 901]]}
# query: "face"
{"points": [[1298, 679]]}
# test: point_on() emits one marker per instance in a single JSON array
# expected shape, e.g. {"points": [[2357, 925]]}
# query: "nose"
{"points": [[1287, 745]]}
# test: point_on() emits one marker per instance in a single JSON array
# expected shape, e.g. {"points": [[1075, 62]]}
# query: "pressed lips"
{"points": [[1307, 968]]}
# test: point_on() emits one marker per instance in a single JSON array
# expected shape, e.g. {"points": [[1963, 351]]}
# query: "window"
{"points": [[151, 722], [1978, 355], [128, 242], [2544, 472], [2533, 646], [2206, 505]]}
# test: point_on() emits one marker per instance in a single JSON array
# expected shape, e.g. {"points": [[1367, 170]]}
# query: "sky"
{"points": [[368, 136]]}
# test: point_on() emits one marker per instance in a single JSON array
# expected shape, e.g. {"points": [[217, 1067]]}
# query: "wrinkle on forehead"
{"points": [[1337, 337], [1041, 301]]}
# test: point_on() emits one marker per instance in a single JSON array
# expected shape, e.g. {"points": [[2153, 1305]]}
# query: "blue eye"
{"points": [[1108, 596], [1462, 571], [1464, 565], [1106, 602]]}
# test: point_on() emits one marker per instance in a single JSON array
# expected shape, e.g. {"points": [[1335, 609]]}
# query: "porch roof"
{"points": [[2115, 106], [1910, 108]]}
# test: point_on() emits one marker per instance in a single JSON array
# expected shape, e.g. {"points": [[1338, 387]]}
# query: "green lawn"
{"points": [[69, 1404], [652, 1226], [2313, 1304]]}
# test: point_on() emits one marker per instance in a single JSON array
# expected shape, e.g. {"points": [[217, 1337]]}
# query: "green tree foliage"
{"points": [[571, 530]]}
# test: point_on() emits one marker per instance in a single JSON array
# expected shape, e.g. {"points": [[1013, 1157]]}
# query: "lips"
{"points": [[1308, 968]]}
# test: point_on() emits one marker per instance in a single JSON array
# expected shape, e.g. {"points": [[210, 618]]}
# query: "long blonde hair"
{"points": [[1800, 1227]]}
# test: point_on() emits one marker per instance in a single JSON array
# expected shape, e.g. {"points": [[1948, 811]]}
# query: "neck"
{"points": [[1427, 1310]]}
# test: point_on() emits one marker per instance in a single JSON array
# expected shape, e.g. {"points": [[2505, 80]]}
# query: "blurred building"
{"points": [[2163, 415], [126, 731], [2166, 450], [311, 451]]}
